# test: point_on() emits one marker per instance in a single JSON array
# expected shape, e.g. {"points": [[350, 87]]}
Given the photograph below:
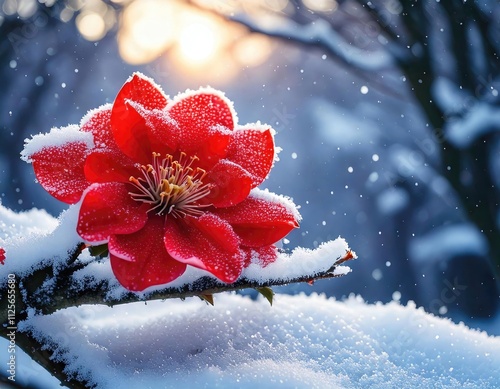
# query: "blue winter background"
{"points": [[371, 115]]}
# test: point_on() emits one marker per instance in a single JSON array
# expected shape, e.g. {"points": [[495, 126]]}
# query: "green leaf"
{"points": [[100, 251], [209, 298], [267, 292]]}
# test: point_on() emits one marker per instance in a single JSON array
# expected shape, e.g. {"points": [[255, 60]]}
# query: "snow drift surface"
{"points": [[301, 341]]}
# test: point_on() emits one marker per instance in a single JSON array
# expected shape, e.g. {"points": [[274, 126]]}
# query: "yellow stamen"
{"points": [[170, 186]]}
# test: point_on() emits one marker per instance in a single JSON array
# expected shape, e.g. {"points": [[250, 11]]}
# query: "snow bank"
{"points": [[303, 342], [33, 238]]}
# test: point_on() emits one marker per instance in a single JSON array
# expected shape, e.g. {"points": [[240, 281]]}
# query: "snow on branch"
{"points": [[300, 266], [84, 280], [319, 33]]}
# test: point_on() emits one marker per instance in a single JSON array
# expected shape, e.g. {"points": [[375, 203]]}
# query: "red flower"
{"points": [[2, 256], [168, 184]]}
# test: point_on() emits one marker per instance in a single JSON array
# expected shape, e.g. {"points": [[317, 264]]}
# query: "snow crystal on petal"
{"points": [[252, 147], [94, 111], [57, 137], [205, 90], [150, 80], [263, 127], [286, 201], [257, 126]]}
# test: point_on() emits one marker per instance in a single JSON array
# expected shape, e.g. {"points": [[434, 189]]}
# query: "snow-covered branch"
{"points": [[93, 283], [81, 289], [319, 33]]}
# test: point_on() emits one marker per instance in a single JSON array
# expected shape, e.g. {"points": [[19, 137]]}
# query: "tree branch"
{"points": [[320, 34], [66, 295]]}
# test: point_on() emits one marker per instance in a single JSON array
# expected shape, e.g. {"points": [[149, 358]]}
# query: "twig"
{"points": [[65, 295]]}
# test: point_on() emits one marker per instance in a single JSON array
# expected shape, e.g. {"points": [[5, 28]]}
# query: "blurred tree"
{"points": [[449, 54]]}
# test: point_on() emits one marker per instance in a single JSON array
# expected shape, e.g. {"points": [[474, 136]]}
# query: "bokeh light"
{"points": [[198, 40], [321, 5], [91, 25], [252, 50], [94, 20], [146, 30]]}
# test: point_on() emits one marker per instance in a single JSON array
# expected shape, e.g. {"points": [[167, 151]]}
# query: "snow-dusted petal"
{"points": [[57, 137], [107, 209], [131, 132], [214, 148], [259, 222], [109, 165], [198, 112], [142, 90], [59, 169], [230, 183], [128, 125], [253, 149], [163, 131], [263, 256], [208, 243], [140, 260], [98, 123]]}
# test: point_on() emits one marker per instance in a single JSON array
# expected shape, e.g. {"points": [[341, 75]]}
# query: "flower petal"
{"points": [[107, 209], [208, 243], [262, 255], [160, 129], [253, 150], [230, 183], [98, 122], [198, 112], [2, 256], [259, 222], [128, 125], [131, 132], [164, 132], [140, 260], [59, 169], [142, 90], [104, 165]]}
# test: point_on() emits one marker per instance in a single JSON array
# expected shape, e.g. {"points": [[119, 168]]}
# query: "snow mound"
{"points": [[301, 341], [34, 238]]}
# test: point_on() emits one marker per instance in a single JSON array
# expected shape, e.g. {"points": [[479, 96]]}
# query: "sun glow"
{"points": [[195, 42], [147, 30], [198, 41]]}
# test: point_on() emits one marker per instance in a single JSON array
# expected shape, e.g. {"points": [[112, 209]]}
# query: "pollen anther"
{"points": [[171, 187]]}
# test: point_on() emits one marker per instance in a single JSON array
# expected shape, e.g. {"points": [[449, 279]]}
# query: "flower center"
{"points": [[171, 187]]}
